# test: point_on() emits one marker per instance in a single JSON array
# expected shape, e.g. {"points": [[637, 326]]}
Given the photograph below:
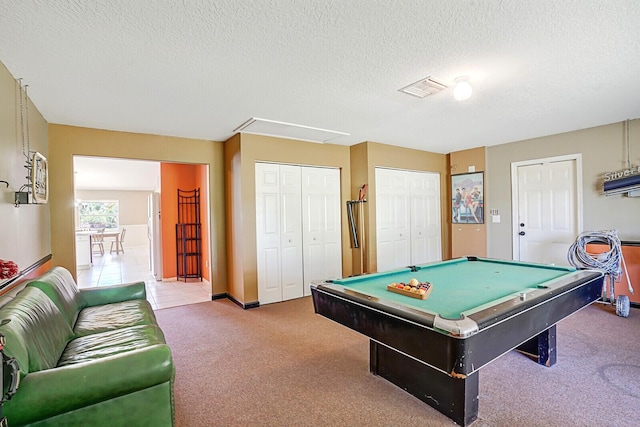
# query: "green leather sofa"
{"points": [[89, 357]]}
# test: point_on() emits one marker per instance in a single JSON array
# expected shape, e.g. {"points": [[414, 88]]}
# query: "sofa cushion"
{"points": [[105, 344], [59, 285], [37, 332], [102, 318], [101, 295]]}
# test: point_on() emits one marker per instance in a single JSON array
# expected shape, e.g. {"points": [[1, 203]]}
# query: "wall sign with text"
{"points": [[39, 178]]}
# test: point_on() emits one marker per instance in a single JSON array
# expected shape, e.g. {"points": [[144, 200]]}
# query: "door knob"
{"points": [[522, 224], [522, 233]]}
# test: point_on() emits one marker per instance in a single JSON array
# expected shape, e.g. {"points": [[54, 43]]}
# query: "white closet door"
{"points": [[392, 218], [425, 217], [278, 232], [332, 225], [291, 236], [268, 235], [322, 251]]}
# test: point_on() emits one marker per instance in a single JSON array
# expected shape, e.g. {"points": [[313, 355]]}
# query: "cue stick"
{"points": [[352, 224], [362, 238], [362, 194]]}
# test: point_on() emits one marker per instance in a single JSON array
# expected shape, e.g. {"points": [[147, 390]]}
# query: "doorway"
{"points": [[547, 208], [129, 185]]}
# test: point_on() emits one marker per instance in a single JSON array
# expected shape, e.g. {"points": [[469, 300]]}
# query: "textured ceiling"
{"points": [[201, 68]]}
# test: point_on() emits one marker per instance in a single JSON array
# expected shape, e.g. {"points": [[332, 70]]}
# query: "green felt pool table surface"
{"points": [[478, 310], [460, 286]]}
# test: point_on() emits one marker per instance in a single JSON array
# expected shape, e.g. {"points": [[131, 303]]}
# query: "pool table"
{"points": [[477, 310]]}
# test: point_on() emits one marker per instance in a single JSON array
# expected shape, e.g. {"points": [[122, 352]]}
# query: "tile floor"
{"points": [[132, 266]]}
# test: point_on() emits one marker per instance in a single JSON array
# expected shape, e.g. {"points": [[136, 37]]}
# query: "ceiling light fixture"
{"points": [[463, 90]]}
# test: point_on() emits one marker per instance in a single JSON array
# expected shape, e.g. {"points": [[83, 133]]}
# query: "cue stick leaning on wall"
{"points": [[362, 194]]}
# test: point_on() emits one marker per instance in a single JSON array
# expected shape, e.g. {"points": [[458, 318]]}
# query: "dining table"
{"points": [[91, 233]]}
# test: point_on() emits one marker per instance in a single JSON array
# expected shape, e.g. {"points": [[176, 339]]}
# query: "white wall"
{"points": [[133, 212], [136, 235]]}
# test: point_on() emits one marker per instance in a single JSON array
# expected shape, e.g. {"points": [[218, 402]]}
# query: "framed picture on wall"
{"points": [[39, 178], [467, 199]]}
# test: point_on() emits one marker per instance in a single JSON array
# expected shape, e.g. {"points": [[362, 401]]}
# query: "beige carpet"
{"points": [[283, 365]]}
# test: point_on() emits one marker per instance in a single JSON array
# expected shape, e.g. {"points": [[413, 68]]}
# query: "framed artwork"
{"points": [[39, 178], [467, 199]]}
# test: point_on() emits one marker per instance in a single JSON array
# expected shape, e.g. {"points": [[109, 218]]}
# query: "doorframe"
{"points": [[207, 262], [515, 246]]}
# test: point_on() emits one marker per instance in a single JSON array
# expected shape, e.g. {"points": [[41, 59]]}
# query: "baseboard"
{"points": [[245, 306]]}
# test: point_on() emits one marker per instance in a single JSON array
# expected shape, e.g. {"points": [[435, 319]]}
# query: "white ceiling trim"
{"points": [[288, 130]]}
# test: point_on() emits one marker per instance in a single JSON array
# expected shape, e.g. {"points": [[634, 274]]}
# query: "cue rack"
{"points": [[356, 222]]}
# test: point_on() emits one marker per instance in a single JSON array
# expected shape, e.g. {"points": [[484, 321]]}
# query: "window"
{"points": [[95, 214]]}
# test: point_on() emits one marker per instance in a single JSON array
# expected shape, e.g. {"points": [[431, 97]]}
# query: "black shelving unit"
{"points": [[189, 236]]}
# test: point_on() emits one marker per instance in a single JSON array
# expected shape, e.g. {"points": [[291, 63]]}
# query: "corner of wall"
{"points": [[471, 238]]}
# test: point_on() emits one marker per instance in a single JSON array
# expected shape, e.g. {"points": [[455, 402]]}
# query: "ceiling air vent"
{"points": [[425, 87]]}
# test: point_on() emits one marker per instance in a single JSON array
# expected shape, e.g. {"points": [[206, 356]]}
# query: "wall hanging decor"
{"points": [[467, 201]]}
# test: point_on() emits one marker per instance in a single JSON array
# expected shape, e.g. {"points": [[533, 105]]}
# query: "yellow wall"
{"points": [[241, 153], [357, 166], [67, 141], [360, 176], [25, 234], [235, 229], [366, 157], [467, 239]]}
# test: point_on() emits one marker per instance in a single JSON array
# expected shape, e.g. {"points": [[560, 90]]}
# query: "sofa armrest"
{"points": [[109, 294], [51, 392]]}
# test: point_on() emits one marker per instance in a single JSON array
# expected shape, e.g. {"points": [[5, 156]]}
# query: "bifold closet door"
{"points": [[426, 240], [322, 238], [291, 236], [393, 219], [278, 232], [407, 218]]}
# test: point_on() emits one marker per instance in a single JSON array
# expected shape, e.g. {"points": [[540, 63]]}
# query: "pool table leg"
{"points": [[542, 347], [456, 398]]}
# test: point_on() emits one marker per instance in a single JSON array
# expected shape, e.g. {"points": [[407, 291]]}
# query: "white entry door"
{"points": [[546, 215]]}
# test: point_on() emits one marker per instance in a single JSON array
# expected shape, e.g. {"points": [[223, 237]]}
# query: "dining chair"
{"points": [[119, 242], [98, 240]]}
